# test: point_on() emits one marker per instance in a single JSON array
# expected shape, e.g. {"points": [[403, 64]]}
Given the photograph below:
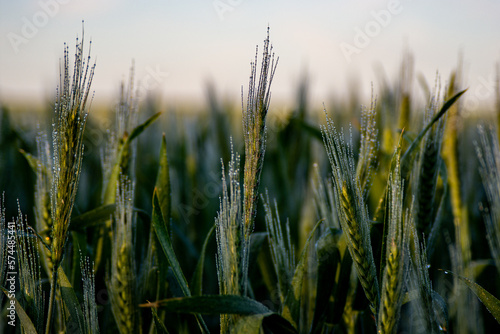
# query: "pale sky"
{"points": [[179, 45]]}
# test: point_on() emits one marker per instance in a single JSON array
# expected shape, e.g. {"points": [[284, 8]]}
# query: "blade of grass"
{"points": [[407, 159], [211, 304], [197, 280], [163, 182], [488, 300], [26, 322], [159, 325], [92, 217], [164, 239], [71, 302]]}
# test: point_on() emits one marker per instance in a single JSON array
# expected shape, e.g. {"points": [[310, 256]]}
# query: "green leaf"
{"points": [[250, 324], [163, 182], [110, 193], [407, 160], [93, 217], [292, 301], [159, 325], [328, 256], [72, 303], [140, 128], [212, 304], [490, 301], [164, 240], [26, 322], [395, 164], [197, 280]]}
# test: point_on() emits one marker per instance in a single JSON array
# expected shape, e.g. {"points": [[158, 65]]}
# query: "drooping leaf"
{"points": [[109, 196], [92, 217], [76, 321], [140, 128], [212, 304], [26, 322], [488, 300]]}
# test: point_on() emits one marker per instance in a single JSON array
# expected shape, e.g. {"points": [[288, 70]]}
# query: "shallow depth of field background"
{"points": [[191, 60]]}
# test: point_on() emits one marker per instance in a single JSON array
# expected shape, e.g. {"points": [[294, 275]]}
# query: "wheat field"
{"points": [[378, 216]]}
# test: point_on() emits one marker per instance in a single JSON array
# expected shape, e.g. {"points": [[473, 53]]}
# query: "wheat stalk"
{"points": [[67, 139]]}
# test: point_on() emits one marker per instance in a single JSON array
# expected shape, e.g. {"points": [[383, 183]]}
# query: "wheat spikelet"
{"points": [[67, 135], [396, 261], [282, 251], [368, 146], [254, 129], [70, 117], [30, 272], [126, 116], [43, 210], [324, 200], [231, 242], [428, 166], [489, 160], [89, 306], [121, 280], [352, 210], [362, 256]]}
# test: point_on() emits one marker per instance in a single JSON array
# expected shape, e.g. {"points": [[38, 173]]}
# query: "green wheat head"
{"points": [[488, 152], [282, 251], [352, 210], [126, 117], [231, 242], [43, 210], [254, 129], [91, 325], [397, 255], [67, 138], [121, 280], [428, 165]]}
